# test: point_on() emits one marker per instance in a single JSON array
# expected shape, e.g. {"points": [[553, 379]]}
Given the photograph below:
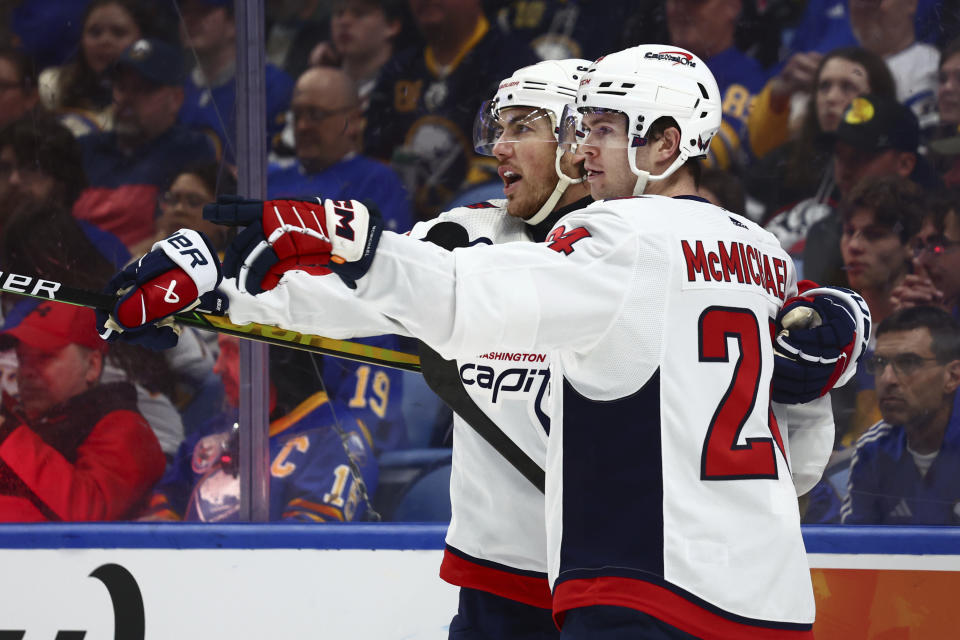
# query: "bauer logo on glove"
{"points": [[175, 276]]}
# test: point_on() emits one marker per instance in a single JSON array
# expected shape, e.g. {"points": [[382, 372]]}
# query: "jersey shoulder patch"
{"points": [[562, 241]]}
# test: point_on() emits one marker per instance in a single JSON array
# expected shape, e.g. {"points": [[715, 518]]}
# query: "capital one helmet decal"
{"points": [[648, 82]]}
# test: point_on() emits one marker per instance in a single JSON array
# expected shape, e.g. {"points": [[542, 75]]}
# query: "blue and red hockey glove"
{"points": [[180, 273], [820, 335], [318, 237]]}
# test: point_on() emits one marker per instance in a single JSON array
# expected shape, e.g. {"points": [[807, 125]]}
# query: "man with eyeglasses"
{"points": [[327, 127], [936, 262], [905, 468]]}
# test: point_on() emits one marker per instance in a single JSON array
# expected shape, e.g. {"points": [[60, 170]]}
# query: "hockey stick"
{"points": [[43, 289]]}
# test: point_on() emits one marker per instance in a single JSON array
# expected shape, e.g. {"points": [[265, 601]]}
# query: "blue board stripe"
{"points": [[893, 540], [221, 536], [136, 535]]}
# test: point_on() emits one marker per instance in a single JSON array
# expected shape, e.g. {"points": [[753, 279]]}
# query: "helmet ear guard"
{"points": [[647, 83]]}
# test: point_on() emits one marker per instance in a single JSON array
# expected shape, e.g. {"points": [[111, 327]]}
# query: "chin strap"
{"points": [[563, 182], [644, 176]]}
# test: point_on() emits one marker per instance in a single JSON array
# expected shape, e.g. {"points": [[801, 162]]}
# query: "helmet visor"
{"points": [[596, 127], [495, 125], [570, 133]]}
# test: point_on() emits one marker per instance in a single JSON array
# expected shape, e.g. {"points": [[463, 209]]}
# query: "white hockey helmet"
{"points": [[648, 82], [547, 86]]}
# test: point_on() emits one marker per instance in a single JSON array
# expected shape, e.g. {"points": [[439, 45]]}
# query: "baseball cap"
{"points": [[877, 123], [158, 61], [51, 326]]}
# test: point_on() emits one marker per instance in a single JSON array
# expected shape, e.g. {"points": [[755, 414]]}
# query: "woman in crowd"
{"points": [[80, 92], [181, 205], [797, 168]]}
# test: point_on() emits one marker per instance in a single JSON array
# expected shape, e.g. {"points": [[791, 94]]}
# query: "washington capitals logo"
{"points": [[676, 57]]}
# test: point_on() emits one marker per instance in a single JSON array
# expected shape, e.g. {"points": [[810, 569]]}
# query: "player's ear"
{"points": [[952, 377], [668, 143]]}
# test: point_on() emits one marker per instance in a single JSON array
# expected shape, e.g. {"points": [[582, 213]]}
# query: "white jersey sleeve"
{"points": [[518, 296], [810, 433]]}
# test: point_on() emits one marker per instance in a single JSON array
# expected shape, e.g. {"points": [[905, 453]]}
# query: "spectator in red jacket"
{"points": [[73, 449]]}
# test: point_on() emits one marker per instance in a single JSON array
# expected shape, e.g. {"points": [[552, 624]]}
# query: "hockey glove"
{"points": [[180, 273], [288, 235], [815, 342]]}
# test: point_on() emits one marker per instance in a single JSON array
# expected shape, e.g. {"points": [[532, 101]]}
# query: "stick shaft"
{"points": [[43, 289]]}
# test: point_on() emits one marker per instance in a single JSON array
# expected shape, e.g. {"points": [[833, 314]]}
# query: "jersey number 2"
{"points": [[723, 457]]}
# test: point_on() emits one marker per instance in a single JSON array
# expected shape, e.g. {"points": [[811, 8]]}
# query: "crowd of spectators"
{"points": [[840, 134]]}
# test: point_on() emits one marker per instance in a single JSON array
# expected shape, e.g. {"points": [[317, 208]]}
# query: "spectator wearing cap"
{"points": [[209, 30], [73, 449], [79, 92], [877, 136], [127, 167]]}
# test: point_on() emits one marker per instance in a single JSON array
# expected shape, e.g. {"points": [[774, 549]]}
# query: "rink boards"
{"points": [[135, 581]]}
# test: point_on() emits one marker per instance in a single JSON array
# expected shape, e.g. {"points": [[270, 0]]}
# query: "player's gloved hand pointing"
{"points": [[180, 273], [815, 343], [317, 236]]}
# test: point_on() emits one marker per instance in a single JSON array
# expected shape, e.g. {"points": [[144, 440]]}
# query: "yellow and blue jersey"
{"points": [[739, 78], [310, 475]]}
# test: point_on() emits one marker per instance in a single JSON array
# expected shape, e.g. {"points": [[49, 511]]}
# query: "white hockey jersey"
{"points": [[668, 484]]}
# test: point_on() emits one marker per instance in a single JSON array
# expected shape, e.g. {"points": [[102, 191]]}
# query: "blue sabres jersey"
{"points": [[213, 109], [739, 78], [374, 395], [310, 475], [420, 116], [356, 178], [887, 488]]}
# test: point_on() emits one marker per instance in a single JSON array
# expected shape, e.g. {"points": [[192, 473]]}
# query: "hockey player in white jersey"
{"points": [[618, 262], [670, 505]]}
